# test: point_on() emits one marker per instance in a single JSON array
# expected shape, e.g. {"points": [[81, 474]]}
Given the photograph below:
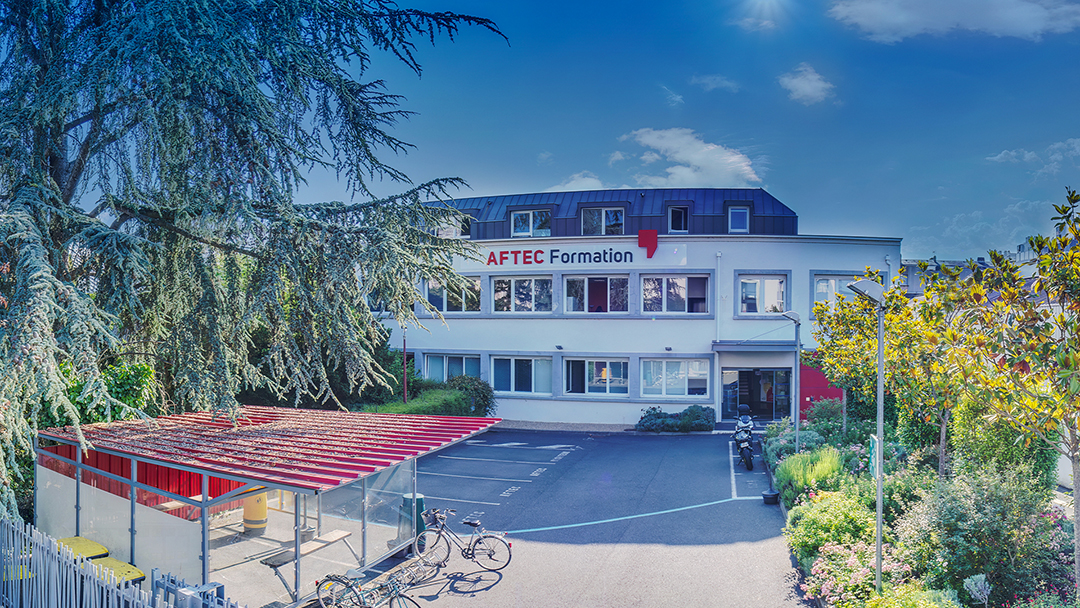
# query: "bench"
{"points": [[288, 556]]}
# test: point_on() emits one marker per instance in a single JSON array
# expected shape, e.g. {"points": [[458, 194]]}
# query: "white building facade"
{"points": [[592, 306]]}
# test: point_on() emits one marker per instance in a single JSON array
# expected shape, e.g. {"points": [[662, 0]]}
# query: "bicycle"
{"points": [[488, 550], [345, 591]]}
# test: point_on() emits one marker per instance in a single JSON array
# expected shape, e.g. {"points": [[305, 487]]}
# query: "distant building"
{"points": [[591, 306]]}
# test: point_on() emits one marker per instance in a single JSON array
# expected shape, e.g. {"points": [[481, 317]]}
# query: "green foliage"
{"points": [[901, 489], [980, 442], [993, 523], [131, 386], [1046, 599], [438, 402], [775, 429], [913, 595], [783, 446], [844, 575], [833, 517], [915, 432], [150, 157], [478, 394], [826, 410], [806, 472], [693, 418]]}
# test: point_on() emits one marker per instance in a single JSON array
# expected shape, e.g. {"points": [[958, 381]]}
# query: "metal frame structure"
{"points": [[307, 452]]}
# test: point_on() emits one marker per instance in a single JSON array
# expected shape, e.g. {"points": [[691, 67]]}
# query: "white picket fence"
{"points": [[37, 572]]}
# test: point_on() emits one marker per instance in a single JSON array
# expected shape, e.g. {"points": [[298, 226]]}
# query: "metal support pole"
{"points": [[404, 367], [880, 435], [36, 484], [318, 514], [204, 509], [296, 542], [798, 388], [131, 489], [412, 516], [78, 490], [363, 522]]}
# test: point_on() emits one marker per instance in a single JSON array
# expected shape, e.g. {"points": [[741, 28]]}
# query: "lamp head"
{"points": [[792, 316], [871, 290]]}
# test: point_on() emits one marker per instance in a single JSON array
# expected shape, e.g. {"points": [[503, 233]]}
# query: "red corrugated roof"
{"points": [[305, 449]]}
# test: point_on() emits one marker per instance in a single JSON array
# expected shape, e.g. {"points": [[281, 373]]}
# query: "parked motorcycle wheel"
{"points": [[747, 458]]}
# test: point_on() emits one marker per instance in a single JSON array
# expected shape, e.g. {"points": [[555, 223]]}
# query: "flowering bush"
{"points": [[832, 517], [913, 595], [844, 575], [806, 471], [782, 446]]}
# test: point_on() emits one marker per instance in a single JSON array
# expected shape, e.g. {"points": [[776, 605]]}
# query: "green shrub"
{"points": [[843, 575], [1047, 599], [132, 384], [693, 418], [478, 394], [801, 473], [775, 429], [833, 517], [993, 523], [978, 442], [779, 448], [913, 595], [826, 410], [901, 490], [439, 402]]}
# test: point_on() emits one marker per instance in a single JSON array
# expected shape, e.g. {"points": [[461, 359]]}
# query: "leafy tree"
{"points": [[1017, 349], [151, 152]]}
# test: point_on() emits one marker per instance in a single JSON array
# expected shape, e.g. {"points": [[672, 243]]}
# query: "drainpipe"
{"points": [[718, 375], [889, 278]]}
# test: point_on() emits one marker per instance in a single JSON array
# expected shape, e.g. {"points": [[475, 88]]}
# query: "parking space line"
{"points": [[731, 461], [495, 460], [472, 502], [624, 518], [471, 477]]}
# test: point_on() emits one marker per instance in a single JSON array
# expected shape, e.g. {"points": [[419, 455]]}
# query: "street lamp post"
{"points": [[875, 292], [797, 393]]}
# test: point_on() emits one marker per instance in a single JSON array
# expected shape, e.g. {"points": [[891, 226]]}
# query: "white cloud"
{"points": [[971, 235], [649, 157], [1014, 156], [752, 24], [673, 98], [891, 21], [1057, 154], [585, 180], [712, 82], [615, 157], [544, 158], [695, 162], [805, 85]]}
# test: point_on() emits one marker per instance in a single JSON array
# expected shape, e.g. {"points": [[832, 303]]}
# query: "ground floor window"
{"points": [[766, 391], [444, 367], [597, 377], [521, 375], [674, 377]]}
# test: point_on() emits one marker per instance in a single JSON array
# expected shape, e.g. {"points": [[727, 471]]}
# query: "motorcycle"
{"points": [[744, 437]]}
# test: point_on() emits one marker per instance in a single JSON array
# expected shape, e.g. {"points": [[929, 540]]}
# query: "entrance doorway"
{"points": [[766, 391]]}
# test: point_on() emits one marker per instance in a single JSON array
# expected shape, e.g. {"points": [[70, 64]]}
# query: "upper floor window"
{"points": [[827, 287], [531, 223], [675, 294], [464, 299], [738, 219], [762, 294], [522, 295], [678, 220], [596, 294], [595, 222], [455, 230]]}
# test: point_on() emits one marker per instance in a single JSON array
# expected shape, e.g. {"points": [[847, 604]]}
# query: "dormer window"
{"points": [[678, 220], [595, 222], [531, 223], [739, 220]]}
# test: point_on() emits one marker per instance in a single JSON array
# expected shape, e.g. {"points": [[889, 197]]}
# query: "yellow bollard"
{"points": [[255, 514]]}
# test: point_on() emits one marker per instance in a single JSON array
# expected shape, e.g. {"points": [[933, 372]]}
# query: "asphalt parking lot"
{"points": [[610, 520]]}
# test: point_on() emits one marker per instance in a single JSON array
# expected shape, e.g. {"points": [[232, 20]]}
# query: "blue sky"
{"points": [[951, 123]]}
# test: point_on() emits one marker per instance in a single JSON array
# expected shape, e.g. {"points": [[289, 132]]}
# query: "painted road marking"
{"points": [[471, 502], [491, 460], [472, 477], [731, 461], [559, 447], [626, 517]]}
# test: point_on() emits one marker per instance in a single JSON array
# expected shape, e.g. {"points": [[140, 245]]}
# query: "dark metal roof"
{"points": [[314, 450]]}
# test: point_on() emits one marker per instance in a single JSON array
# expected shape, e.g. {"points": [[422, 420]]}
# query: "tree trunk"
{"points": [[1075, 457]]}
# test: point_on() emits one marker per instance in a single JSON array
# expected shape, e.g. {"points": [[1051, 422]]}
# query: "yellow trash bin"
{"points": [[255, 517]]}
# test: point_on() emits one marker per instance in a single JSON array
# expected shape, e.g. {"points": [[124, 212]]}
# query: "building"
{"points": [[592, 306]]}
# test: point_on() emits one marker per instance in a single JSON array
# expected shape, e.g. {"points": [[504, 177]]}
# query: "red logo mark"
{"points": [[647, 239]]}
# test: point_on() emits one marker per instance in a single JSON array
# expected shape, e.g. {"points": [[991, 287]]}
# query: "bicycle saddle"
{"points": [[471, 523]]}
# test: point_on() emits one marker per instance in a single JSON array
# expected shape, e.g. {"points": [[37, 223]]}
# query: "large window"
{"points": [[597, 377], [827, 287], [596, 294], [674, 377], [675, 294], [465, 299], [444, 367], [455, 230], [738, 220], [760, 294], [531, 223], [520, 375], [521, 295], [678, 220], [601, 221]]}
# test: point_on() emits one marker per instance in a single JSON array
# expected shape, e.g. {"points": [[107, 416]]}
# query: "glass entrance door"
{"points": [[766, 391]]}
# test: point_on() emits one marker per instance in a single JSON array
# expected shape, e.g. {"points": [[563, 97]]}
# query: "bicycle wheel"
{"points": [[432, 546], [403, 601], [336, 591], [491, 552]]}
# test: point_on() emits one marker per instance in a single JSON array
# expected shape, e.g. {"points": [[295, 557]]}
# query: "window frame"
{"points": [[846, 275], [513, 290], [446, 365], [513, 375], [586, 278], [686, 218], [740, 274], [603, 220], [730, 216], [532, 223], [665, 291], [589, 363], [464, 296], [643, 365]]}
